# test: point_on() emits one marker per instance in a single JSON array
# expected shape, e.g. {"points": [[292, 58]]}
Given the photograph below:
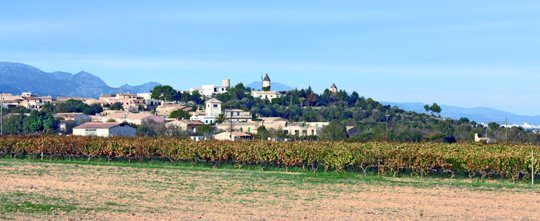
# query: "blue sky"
{"points": [[464, 53]]}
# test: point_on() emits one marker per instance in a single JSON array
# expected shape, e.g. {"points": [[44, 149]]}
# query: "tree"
{"points": [[427, 107], [33, 123], [353, 98], [92, 109], [179, 114], [262, 133], [70, 106], [220, 118], [116, 106], [151, 129], [196, 97], [49, 123], [334, 131], [206, 131], [493, 126], [436, 108], [165, 93], [14, 124]]}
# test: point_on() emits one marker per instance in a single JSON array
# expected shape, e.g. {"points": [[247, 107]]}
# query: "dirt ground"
{"points": [[56, 191]]}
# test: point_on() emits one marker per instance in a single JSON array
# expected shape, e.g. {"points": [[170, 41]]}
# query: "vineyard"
{"points": [[417, 159]]}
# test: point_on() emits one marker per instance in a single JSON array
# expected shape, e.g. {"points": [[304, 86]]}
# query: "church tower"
{"points": [[333, 89], [266, 83]]}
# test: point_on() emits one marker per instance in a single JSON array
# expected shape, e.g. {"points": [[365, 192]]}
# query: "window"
{"points": [[215, 105]]}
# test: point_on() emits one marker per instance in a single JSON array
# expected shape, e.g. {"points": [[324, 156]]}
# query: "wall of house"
{"points": [[121, 131], [213, 110], [84, 132]]}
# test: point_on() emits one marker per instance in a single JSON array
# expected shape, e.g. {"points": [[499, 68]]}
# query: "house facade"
{"points": [[266, 95], [237, 115], [127, 117]]}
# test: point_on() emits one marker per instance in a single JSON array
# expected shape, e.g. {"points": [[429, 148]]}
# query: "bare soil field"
{"points": [[31, 190]]}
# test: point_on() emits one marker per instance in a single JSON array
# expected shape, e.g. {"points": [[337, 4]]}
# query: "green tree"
{"points": [[179, 114], [206, 131], [33, 123], [436, 108], [116, 106], [14, 123], [49, 123], [334, 131], [165, 92], [263, 133], [427, 108], [220, 118], [92, 109]]}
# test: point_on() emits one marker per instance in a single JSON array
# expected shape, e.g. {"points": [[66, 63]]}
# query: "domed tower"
{"points": [[266, 83]]}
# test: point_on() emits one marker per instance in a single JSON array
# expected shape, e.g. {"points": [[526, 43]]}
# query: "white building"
{"points": [[233, 136], [265, 95], [104, 130], [213, 107], [302, 129], [213, 110], [209, 90]]}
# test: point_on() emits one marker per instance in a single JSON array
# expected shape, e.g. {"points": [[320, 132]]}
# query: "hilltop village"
{"points": [[227, 112], [207, 118]]}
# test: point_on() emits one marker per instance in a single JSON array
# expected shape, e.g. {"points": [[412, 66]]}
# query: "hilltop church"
{"points": [[266, 92]]}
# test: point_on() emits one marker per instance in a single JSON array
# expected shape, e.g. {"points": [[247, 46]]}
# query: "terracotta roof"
{"points": [[97, 125], [214, 101]]}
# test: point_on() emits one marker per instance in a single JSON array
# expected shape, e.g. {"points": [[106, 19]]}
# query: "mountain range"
{"points": [[16, 78], [478, 114]]}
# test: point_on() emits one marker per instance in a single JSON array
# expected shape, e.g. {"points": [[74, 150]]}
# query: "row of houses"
{"points": [[25, 100], [130, 102], [237, 123]]}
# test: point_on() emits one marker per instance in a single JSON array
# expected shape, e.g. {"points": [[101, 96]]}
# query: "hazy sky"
{"points": [[465, 53]]}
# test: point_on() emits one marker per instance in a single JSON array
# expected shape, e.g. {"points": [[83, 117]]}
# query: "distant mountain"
{"points": [[478, 114], [16, 78], [276, 86]]}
